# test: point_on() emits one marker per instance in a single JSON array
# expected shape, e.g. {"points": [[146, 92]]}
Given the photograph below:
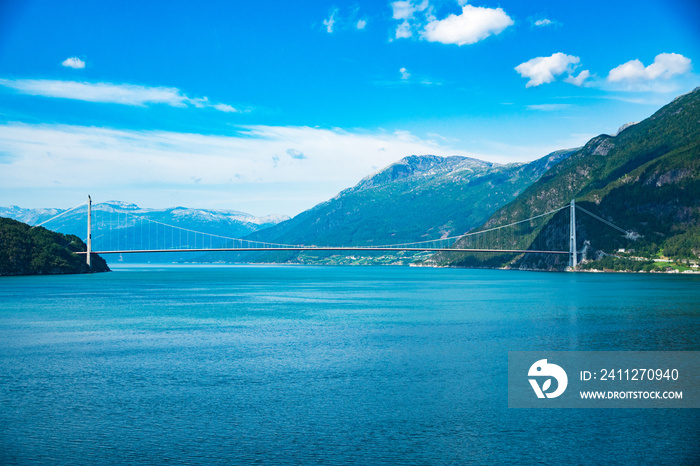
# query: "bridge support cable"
{"points": [[127, 232], [135, 236], [601, 219], [481, 238], [59, 215]]}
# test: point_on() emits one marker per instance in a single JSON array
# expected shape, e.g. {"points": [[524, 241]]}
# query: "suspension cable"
{"points": [[62, 213], [472, 233], [603, 220], [283, 245]]}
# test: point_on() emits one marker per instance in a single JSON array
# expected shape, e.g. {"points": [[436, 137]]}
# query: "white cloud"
{"points": [[665, 66], [543, 22], [403, 30], [548, 107], [330, 22], [226, 108], [122, 163], [124, 94], [406, 77], [543, 70], [473, 25], [73, 62], [645, 100], [405, 9], [405, 12], [344, 21], [578, 80]]}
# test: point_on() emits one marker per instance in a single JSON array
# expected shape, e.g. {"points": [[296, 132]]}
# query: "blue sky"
{"points": [[272, 107]]}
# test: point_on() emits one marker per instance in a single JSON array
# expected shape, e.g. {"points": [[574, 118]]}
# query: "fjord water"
{"points": [[364, 365]]}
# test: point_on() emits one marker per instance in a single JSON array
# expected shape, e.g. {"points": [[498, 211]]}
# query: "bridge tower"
{"points": [[89, 232], [572, 234]]}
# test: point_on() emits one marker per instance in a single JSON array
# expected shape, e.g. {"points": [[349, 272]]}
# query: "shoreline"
{"points": [[296, 264]]}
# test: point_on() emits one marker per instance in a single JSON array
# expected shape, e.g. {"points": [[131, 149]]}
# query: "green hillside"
{"points": [[646, 179], [37, 251], [418, 198]]}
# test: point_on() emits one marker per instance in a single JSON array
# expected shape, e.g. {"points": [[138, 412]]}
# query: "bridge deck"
{"points": [[323, 248]]}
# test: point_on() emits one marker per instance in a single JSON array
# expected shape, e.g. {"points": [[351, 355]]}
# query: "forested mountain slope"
{"points": [[645, 179]]}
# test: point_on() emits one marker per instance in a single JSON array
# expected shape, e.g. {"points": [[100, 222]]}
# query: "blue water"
{"points": [[325, 365]]}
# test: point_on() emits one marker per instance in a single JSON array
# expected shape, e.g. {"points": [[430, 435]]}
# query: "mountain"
{"points": [[417, 198], [124, 218], [29, 216], [37, 251], [646, 179]]}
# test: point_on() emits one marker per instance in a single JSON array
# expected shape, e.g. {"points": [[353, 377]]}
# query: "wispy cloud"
{"points": [[73, 62], [541, 22], [123, 94], [403, 30], [548, 107], [407, 78], [226, 108], [437, 136], [344, 20], [330, 21], [646, 99], [405, 11], [579, 80], [274, 162]]}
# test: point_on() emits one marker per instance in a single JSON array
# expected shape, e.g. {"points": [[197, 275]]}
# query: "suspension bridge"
{"points": [[114, 232]]}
